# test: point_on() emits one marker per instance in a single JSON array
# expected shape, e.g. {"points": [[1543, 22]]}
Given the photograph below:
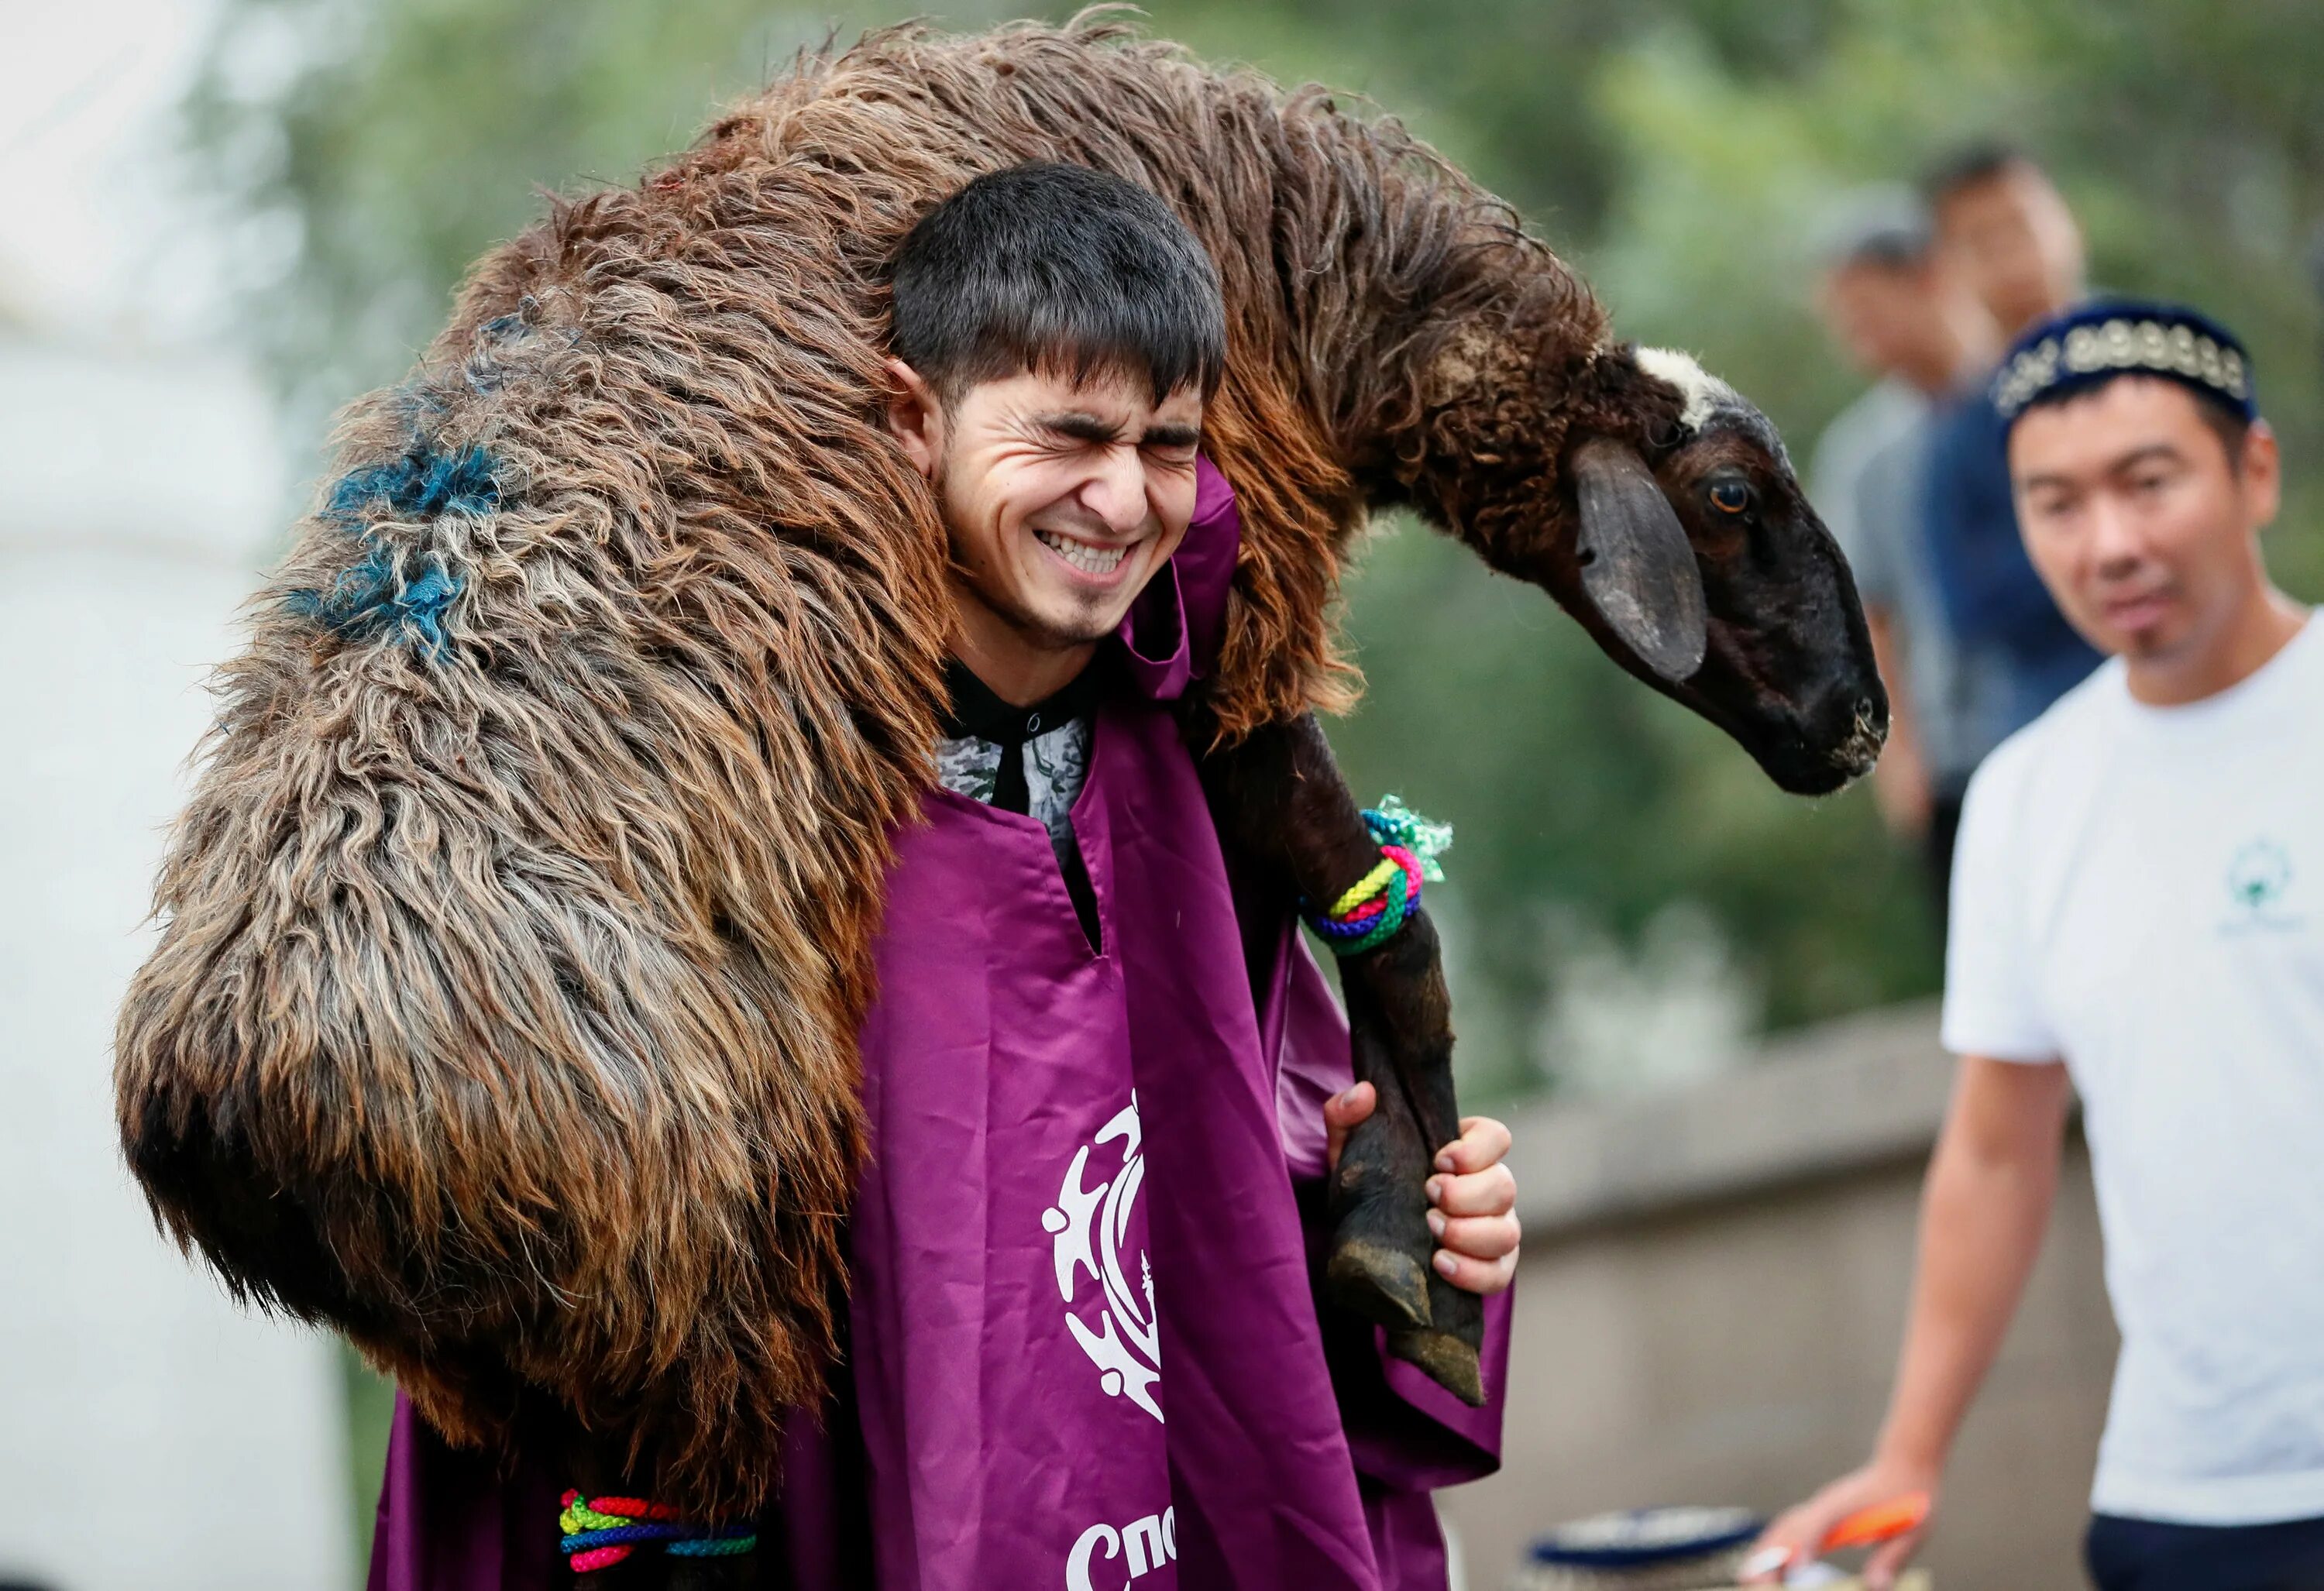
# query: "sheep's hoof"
{"points": [[1383, 1285], [1446, 1360]]}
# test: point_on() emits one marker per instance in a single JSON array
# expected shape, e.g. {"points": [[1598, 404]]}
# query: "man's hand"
{"points": [[1472, 1198], [1796, 1534]]}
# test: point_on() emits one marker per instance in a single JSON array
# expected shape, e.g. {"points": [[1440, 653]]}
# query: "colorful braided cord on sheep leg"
{"points": [[602, 1532], [1376, 906]]}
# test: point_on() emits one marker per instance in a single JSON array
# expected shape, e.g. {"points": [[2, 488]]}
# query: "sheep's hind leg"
{"points": [[1281, 797], [648, 1568]]}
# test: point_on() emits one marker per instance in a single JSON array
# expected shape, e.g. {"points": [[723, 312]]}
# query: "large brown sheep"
{"points": [[517, 933]]}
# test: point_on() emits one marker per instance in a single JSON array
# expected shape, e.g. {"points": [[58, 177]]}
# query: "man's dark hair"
{"points": [[2227, 422], [1973, 165], [1058, 269], [2222, 418], [1899, 250]]}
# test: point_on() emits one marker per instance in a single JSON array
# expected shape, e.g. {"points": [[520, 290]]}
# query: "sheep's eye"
{"points": [[1730, 497]]}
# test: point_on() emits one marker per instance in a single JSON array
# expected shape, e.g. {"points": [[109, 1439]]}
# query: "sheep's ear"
{"points": [[1638, 567]]}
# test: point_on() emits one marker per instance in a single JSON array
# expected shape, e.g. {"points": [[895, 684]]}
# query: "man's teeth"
{"points": [[1089, 560]]}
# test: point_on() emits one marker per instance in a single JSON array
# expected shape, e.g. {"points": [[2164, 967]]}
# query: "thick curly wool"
{"points": [[519, 930]]}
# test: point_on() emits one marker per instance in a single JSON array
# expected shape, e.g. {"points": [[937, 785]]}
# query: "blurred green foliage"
{"points": [[1684, 151]]}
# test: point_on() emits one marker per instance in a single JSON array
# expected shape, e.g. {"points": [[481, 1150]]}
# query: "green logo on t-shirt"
{"points": [[2257, 878]]}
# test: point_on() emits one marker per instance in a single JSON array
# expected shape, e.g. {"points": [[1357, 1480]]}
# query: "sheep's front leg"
{"points": [[1279, 797], [1406, 1015]]}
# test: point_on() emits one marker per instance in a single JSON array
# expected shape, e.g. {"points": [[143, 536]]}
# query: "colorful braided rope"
{"points": [[601, 1532], [1374, 907]]}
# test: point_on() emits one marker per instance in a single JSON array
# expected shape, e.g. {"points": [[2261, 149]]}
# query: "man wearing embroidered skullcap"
{"points": [[2138, 915]]}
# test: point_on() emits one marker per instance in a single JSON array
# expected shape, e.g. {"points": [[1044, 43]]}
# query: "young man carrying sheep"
{"points": [[2136, 915], [574, 803], [1088, 1110]]}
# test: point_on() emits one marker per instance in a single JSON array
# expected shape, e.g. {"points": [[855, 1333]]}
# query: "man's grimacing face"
{"points": [[1061, 498], [2137, 521]]}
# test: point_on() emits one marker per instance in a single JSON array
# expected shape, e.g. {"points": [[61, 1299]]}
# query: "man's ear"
{"points": [[915, 416], [2262, 471]]}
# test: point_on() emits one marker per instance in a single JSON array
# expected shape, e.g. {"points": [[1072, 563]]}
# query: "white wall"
{"points": [[152, 1437]]}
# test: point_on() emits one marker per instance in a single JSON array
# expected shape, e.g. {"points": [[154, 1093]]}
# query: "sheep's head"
{"points": [[1698, 565]]}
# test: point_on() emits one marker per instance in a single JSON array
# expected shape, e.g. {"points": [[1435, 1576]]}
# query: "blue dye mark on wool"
{"points": [[374, 597], [370, 599], [420, 484]]}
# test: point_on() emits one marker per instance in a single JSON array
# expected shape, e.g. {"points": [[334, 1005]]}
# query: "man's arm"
{"points": [[1983, 1209]]}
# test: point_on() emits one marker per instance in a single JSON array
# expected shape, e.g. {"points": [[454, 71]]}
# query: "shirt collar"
{"points": [[978, 713]]}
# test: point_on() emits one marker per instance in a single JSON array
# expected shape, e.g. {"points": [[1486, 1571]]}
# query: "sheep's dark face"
{"points": [[1743, 609]]}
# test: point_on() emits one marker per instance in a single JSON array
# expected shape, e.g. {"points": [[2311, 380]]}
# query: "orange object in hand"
{"points": [[1883, 1522], [1866, 1527]]}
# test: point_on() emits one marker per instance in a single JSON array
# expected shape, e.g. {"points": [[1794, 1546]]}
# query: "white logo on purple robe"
{"points": [[1146, 1544], [1089, 1230]]}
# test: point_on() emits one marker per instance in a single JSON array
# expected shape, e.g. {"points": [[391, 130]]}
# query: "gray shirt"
{"points": [[1867, 473]]}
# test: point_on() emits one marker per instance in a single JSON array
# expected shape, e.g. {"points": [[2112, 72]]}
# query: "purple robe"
{"points": [[1085, 1349]]}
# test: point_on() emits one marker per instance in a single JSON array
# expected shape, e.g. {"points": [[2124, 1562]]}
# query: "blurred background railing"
{"points": [[1712, 1291], [226, 217]]}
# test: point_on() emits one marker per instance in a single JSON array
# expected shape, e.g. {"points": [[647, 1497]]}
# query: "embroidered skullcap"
{"points": [[2089, 346]]}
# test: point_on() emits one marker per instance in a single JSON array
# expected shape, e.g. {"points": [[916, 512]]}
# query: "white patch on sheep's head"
{"points": [[1709, 401], [1705, 393]]}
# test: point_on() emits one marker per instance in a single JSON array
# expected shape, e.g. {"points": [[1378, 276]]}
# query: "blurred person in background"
{"points": [[2138, 914], [2007, 228], [2002, 225], [1907, 316]]}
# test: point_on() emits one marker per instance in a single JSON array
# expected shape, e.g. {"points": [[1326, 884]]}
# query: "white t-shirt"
{"points": [[2139, 891]]}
